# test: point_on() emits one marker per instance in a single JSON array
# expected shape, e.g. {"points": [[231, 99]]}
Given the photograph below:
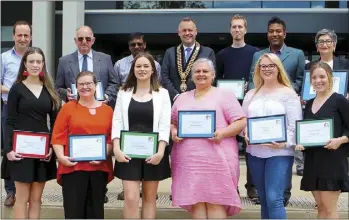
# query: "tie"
{"points": [[84, 64], [187, 54]]}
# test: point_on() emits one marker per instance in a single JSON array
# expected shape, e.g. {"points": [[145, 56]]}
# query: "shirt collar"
{"points": [[14, 52], [130, 58], [192, 47], [80, 56], [279, 51]]}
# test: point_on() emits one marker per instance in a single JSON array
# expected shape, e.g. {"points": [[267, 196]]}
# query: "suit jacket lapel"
{"points": [[96, 64], [285, 53], [336, 63], [126, 100], [74, 64], [156, 107]]}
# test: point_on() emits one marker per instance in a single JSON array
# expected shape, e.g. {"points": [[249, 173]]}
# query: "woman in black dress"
{"points": [[30, 100], [326, 167], [142, 105]]}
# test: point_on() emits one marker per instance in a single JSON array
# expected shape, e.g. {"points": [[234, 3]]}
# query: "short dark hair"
{"points": [[187, 19], [21, 23], [136, 35], [277, 20]]}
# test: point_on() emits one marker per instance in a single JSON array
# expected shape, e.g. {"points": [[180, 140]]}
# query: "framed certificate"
{"points": [[139, 144], [264, 130], [314, 133], [31, 144], [340, 81], [74, 90], [99, 91], [87, 147], [235, 86], [196, 124]]}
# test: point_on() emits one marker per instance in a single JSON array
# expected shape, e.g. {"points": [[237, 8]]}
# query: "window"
{"points": [[236, 4], [286, 4]]}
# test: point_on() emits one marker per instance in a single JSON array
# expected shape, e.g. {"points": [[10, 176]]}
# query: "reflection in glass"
{"points": [[318, 4], [236, 4], [162, 4], [286, 4]]}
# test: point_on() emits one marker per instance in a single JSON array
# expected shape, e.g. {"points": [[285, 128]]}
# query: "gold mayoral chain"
{"points": [[184, 74]]}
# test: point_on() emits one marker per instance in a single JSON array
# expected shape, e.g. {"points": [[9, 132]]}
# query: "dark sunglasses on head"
{"points": [[88, 39], [134, 44]]}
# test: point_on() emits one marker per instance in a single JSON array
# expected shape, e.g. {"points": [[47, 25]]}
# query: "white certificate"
{"points": [[87, 147], [196, 124], [138, 146], [266, 129], [34, 145], [237, 87], [314, 132], [99, 91]]}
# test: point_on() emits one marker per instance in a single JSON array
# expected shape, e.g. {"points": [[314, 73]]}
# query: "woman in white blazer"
{"points": [[142, 106]]}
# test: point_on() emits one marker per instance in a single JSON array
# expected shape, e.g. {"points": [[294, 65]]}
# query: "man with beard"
{"points": [[178, 61], [293, 61], [10, 62], [136, 44], [234, 62]]}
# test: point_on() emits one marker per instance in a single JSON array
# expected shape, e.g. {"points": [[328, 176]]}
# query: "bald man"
{"points": [[86, 59]]}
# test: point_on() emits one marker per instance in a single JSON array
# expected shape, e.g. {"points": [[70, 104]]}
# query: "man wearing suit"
{"points": [[293, 61], [178, 61], [86, 59]]}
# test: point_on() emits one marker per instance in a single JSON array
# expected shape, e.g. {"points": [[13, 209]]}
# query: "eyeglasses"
{"points": [[136, 44], [88, 39], [88, 84], [322, 42], [270, 66]]}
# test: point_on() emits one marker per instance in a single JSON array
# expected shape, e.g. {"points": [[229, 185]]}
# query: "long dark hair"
{"points": [[131, 81], [46, 78]]}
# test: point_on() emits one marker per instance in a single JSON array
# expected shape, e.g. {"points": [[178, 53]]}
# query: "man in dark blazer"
{"points": [[85, 58], [177, 61]]}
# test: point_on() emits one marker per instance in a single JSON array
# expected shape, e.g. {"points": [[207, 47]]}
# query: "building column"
{"points": [[43, 28], [73, 18]]}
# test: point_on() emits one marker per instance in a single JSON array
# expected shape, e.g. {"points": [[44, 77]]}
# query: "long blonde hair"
{"points": [[45, 79], [282, 76]]}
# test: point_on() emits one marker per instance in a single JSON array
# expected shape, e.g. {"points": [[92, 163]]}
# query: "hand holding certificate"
{"points": [[138, 144], [314, 133], [31, 144], [88, 147], [196, 124]]}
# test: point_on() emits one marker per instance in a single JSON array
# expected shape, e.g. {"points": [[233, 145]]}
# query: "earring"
{"points": [[41, 73], [25, 73]]}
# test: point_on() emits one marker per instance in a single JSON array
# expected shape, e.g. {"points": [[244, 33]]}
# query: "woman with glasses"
{"points": [[271, 164], [326, 42], [326, 167], [83, 183]]}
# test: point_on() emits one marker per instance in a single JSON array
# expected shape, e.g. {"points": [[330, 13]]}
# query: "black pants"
{"points": [[83, 194]]}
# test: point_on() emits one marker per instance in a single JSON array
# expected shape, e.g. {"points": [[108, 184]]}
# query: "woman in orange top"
{"points": [[83, 183]]}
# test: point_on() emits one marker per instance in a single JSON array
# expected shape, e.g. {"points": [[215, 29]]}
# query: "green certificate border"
{"points": [[227, 81], [155, 135], [315, 144]]}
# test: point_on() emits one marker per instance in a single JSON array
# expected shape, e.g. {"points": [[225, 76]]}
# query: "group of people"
{"points": [[142, 95]]}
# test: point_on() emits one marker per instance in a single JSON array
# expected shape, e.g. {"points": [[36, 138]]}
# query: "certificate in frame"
{"points": [[205, 118], [74, 90], [83, 143], [340, 82], [319, 140], [99, 91], [142, 139], [271, 120], [235, 86], [21, 140]]}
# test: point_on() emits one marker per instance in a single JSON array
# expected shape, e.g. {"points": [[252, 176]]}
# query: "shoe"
{"points": [[252, 194], [106, 199], [121, 196], [10, 200], [286, 202], [171, 197], [299, 172]]}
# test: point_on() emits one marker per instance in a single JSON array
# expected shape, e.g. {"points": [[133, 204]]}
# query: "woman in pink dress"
{"points": [[205, 171]]}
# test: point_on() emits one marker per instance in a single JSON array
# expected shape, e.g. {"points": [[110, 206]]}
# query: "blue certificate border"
{"points": [[101, 91], [195, 112], [343, 83], [264, 118], [309, 121], [227, 81], [104, 142]]}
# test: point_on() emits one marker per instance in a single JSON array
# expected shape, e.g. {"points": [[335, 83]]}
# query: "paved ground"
{"points": [[301, 204]]}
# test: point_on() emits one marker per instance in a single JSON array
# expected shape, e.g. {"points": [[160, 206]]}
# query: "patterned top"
{"points": [[285, 101]]}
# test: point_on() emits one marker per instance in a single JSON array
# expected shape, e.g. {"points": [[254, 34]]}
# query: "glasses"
{"points": [[87, 84], [270, 66], [88, 39], [136, 44], [322, 42]]}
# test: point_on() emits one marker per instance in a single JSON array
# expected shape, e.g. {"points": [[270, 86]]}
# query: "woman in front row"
{"points": [[83, 183], [142, 105], [205, 171], [326, 167], [271, 164]]}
